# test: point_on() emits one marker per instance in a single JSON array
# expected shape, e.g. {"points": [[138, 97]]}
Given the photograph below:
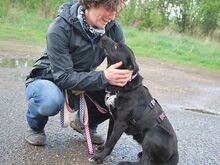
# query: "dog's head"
{"points": [[116, 52]]}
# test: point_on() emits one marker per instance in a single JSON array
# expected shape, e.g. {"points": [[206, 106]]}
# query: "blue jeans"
{"points": [[46, 99]]}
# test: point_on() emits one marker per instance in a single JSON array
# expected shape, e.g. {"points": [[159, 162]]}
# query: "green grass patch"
{"points": [[24, 28], [164, 46], [174, 48]]}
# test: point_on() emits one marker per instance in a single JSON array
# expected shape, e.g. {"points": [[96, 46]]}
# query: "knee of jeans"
{"points": [[51, 107]]}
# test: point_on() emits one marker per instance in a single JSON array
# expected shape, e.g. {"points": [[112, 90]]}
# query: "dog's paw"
{"points": [[96, 159], [140, 155]]}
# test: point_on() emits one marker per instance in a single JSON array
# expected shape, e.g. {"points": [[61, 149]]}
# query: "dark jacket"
{"points": [[71, 56]]}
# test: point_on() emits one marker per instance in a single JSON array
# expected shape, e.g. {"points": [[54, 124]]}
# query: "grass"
{"points": [[24, 28], [164, 46], [174, 48]]}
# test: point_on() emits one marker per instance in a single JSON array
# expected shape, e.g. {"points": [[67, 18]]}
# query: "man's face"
{"points": [[99, 16]]}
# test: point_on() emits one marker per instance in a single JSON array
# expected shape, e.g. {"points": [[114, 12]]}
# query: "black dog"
{"points": [[136, 112]]}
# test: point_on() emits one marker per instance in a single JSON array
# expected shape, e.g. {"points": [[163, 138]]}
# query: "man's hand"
{"points": [[118, 77]]}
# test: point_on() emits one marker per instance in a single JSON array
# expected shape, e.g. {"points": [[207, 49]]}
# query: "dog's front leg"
{"points": [[118, 129], [110, 128]]}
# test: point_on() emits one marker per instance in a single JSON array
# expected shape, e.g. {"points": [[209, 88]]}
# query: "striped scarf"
{"points": [[91, 31]]}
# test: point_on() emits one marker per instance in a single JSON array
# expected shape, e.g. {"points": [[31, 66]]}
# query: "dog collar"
{"points": [[133, 77]]}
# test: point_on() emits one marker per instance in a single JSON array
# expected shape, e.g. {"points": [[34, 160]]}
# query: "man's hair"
{"points": [[115, 5]]}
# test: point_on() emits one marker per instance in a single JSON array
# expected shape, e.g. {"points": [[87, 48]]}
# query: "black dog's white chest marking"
{"points": [[110, 101]]}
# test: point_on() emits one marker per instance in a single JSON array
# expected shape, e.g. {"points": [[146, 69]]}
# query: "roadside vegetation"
{"points": [[164, 43]]}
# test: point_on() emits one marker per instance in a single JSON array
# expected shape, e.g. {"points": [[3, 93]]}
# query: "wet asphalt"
{"points": [[190, 98]]}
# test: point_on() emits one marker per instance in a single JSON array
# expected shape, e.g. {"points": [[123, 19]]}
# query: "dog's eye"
{"points": [[116, 46]]}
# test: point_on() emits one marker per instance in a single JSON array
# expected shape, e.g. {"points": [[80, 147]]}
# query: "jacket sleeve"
{"points": [[62, 67]]}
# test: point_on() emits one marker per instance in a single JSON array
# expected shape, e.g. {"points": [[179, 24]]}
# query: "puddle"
{"points": [[202, 111], [16, 63]]}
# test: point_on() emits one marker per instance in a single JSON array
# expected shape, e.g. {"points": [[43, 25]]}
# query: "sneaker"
{"points": [[96, 138], [77, 126], [36, 138]]}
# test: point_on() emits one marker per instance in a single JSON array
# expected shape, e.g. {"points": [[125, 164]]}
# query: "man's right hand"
{"points": [[118, 77]]}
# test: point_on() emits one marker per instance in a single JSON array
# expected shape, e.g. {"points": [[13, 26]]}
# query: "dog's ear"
{"points": [[105, 40]]}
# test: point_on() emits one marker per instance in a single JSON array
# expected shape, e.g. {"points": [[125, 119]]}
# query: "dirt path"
{"points": [[189, 88], [189, 96]]}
